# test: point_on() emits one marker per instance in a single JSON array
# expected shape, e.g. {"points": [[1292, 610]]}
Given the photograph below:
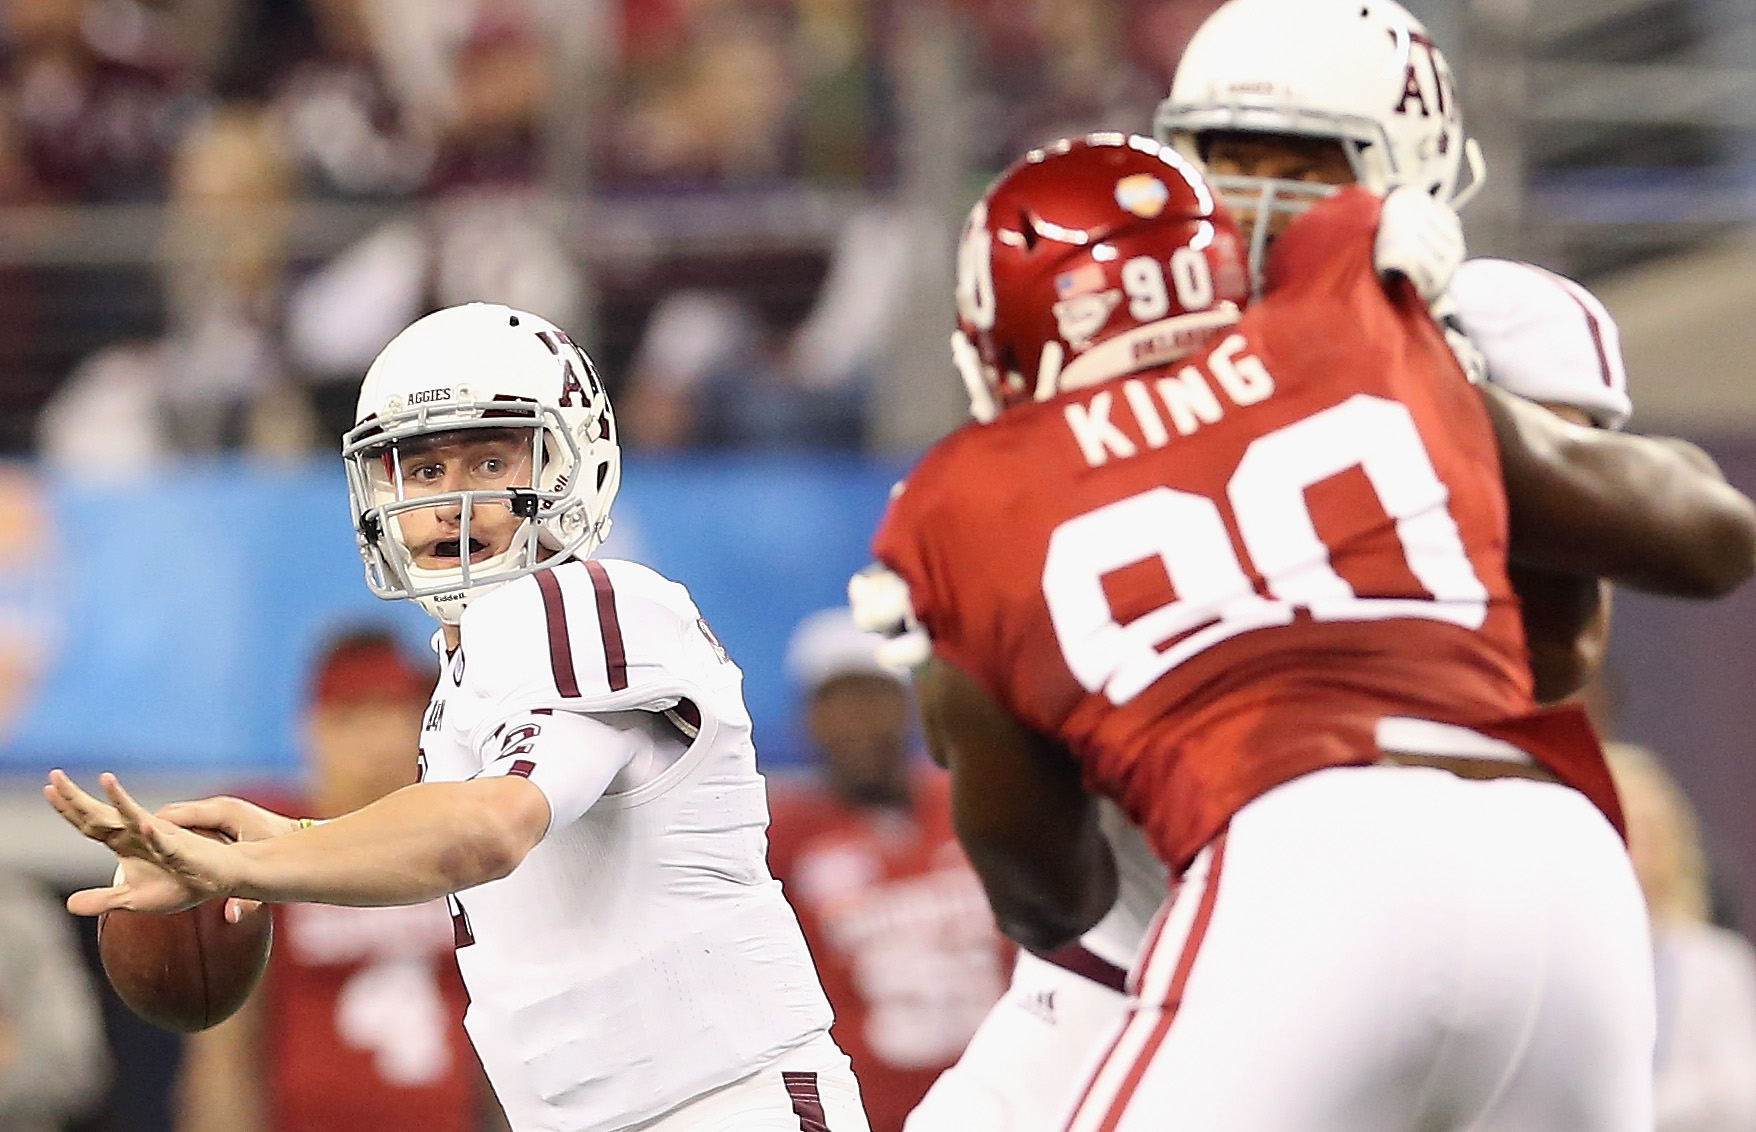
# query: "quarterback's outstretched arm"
{"points": [[1022, 814], [1647, 512], [415, 845]]}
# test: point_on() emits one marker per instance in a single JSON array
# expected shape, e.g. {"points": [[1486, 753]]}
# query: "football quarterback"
{"points": [[588, 801]]}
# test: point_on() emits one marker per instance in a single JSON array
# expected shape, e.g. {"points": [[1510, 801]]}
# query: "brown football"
{"points": [[186, 971]]}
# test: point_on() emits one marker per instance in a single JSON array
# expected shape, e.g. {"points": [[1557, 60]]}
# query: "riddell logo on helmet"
{"points": [[428, 396]]}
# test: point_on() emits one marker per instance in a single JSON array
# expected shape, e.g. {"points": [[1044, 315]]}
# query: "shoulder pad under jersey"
{"points": [[588, 635], [1544, 337]]}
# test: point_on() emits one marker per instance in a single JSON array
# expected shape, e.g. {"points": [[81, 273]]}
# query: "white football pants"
{"points": [[809, 1089], [1392, 949]]}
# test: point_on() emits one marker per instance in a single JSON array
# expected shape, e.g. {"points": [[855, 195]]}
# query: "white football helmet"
{"points": [[1363, 72], [472, 367]]}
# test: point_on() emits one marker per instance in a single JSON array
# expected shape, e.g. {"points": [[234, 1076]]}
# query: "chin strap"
{"points": [[1478, 174], [968, 360]]}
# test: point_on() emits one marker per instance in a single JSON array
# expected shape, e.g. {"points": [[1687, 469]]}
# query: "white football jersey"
{"points": [[641, 955], [1545, 337]]}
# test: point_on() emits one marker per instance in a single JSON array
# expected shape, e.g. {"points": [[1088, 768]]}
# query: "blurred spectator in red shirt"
{"points": [[358, 1024], [896, 919]]}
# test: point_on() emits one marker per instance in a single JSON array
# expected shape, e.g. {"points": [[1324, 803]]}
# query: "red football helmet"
{"points": [[1088, 260]]}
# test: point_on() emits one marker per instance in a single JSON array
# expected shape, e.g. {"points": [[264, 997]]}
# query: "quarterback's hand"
{"points": [[234, 817], [1420, 237], [162, 867]]}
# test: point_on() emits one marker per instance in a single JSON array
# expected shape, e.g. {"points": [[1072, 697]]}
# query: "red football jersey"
{"points": [[364, 1023], [900, 930], [1211, 578]]}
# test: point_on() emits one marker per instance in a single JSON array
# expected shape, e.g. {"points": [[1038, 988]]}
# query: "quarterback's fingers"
{"points": [[133, 813], [237, 908], [158, 898], [94, 901], [91, 817], [234, 817], [206, 813]]}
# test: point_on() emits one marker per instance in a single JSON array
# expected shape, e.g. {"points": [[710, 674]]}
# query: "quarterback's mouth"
{"points": [[450, 550]]}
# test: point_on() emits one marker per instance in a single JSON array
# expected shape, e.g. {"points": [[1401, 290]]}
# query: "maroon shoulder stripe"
{"points": [[807, 1101], [560, 648], [615, 657]]}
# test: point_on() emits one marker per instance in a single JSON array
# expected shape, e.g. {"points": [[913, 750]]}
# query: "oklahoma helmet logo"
{"points": [[1142, 194], [1080, 318]]}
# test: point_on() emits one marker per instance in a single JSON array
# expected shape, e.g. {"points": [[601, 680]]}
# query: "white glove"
{"points": [[881, 604], [1419, 236]]}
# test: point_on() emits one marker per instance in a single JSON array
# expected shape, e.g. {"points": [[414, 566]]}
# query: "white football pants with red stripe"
{"points": [[1392, 949]]}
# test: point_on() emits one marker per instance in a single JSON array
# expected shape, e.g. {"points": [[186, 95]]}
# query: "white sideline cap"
{"points": [[827, 644]]}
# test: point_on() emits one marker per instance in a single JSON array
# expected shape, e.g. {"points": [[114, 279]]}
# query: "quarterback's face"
{"points": [[477, 460]]}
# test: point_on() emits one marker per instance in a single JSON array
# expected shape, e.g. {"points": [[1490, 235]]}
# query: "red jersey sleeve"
{"points": [[917, 539]]}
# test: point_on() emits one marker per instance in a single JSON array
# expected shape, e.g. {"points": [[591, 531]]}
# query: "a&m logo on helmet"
{"points": [[1427, 89]]}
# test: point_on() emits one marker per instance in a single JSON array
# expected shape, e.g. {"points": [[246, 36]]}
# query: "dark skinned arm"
{"points": [[1651, 513], [1566, 628], [1024, 818], [1566, 616]]}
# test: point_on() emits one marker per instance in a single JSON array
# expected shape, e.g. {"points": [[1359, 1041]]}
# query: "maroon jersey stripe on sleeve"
{"points": [[560, 648], [1592, 325], [807, 1102], [1597, 338], [615, 657]]}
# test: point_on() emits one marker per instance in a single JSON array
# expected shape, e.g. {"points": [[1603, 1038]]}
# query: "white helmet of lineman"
{"points": [[481, 366], [1363, 72]]}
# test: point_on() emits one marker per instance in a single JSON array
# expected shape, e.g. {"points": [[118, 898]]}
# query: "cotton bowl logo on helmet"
{"points": [[1142, 194], [481, 371], [1085, 261]]}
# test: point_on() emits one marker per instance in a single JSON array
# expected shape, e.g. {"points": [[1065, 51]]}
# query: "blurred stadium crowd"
{"points": [[272, 188]]}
